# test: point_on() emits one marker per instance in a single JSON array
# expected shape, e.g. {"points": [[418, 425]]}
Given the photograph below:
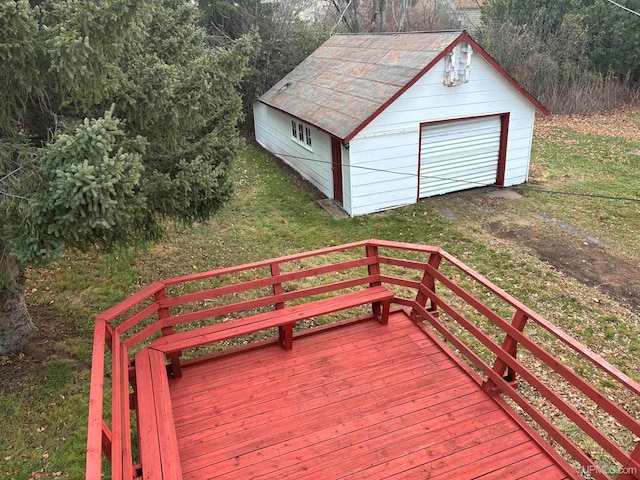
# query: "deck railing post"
{"points": [[106, 441], [428, 281], [163, 314], [374, 269], [628, 472], [277, 286], [285, 332], [108, 336], [510, 347], [98, 432]]}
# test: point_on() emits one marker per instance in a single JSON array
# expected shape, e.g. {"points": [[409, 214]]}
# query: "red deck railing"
{"points": [[439, 292]]}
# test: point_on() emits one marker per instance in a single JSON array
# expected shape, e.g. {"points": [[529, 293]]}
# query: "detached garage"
{"points": [[380, 121]]}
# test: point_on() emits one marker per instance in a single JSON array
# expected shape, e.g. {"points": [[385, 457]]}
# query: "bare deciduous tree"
{"points": [[392, 15], [403, 21], [433, 15], [347, 13], [379, 16]]}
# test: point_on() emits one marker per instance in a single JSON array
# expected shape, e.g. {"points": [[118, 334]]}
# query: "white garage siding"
{"points": [[387, 177], [429, 100], [519, 148], [346, 181], [274, 132], [458, 154]]}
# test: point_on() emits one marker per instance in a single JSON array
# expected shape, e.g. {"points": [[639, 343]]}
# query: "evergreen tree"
{"points": [[113, 115], [286, 39], [612, 33]]}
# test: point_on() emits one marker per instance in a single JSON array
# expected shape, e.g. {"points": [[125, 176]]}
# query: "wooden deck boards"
{"points": [[362, 401]]}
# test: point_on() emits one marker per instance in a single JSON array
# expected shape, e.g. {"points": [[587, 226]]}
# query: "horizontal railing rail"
{"points": [[416, 275], [265, 301], [505, 356]]}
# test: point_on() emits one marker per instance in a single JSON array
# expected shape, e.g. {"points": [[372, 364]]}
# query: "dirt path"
{"points": [[575, 253], [579, 255]]}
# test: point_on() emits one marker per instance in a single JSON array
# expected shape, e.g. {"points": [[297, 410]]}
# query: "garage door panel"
{"points": [[467, 169], [487, 158], [458, 155], [467, 134], [440, 155], [479, 166], [462, 159], [459, 152], [455, 174], [462, 177], [488, 140], [475, 123], [440, 187]]}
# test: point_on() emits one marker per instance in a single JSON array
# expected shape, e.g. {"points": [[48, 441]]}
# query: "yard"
{"points": [[573, 258]]}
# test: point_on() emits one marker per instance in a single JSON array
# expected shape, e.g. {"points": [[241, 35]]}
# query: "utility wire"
{"points": [[624, 8], [460, 180], [381, 170], [576, 194]]}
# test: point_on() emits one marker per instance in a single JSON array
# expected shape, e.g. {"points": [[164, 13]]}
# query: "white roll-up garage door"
{"points": [[459, 154]]}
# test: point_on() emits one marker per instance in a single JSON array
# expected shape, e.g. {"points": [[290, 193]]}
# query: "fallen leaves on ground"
{"points": [[621, 123]]}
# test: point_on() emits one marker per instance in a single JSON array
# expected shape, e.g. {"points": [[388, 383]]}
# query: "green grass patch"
{"points": [[589, 165], [43, 425]]}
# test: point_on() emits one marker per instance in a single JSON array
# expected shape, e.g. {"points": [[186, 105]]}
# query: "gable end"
{"points": [[477, 50]]}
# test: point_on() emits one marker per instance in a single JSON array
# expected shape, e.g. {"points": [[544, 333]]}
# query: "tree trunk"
{"points": [[383, 16], [379, 17], [355, 20], [16, 326], [347, 11], [404, 16]]}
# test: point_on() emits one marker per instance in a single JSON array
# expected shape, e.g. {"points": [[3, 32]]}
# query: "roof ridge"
{"points": [[382, 34]]}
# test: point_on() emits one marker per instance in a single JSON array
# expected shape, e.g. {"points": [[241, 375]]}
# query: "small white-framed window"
{"points": [[301, 134]]}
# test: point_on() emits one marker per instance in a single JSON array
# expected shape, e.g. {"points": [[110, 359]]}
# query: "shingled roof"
{"points": [[468, 3], [350, 78]]}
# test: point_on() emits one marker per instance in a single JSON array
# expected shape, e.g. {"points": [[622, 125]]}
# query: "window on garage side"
{"points": [[301, 134]]}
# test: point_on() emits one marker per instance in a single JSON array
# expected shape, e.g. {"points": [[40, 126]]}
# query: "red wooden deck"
{"points": [[360, 401], [377, 396]]}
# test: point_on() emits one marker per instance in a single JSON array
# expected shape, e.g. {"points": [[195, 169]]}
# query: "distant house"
{"points": [[468, 13], [379, 121]]}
